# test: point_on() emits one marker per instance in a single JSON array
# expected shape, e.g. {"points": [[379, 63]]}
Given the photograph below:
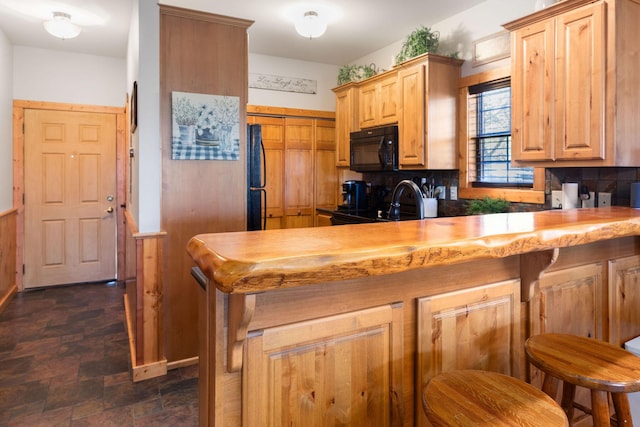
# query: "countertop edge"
{"points": [[238, 276]]}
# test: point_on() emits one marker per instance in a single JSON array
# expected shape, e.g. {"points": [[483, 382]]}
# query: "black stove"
{"points": [[356, 216]]}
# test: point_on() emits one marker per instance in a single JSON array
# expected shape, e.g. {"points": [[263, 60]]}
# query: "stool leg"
{"points": [[600, 408], [550, 385], [623, 412], [568, 396]]}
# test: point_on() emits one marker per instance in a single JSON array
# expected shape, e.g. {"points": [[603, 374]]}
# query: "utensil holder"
{"points": [[430, 206]]}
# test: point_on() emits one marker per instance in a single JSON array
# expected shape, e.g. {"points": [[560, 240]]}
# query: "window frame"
{"points": [[466, 189]]}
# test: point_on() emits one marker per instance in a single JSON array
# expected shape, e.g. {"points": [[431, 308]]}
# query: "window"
{"points": [[489, 107]]}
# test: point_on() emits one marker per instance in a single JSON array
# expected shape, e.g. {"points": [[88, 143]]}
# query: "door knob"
{"points": [[109, 210]]}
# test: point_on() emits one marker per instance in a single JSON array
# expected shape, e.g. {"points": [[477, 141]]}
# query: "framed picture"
{"points": [[134, 107], [492, 48], [205, 127]]}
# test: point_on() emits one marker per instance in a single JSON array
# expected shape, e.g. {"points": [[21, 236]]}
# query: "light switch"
{"points": [[453, 193]]}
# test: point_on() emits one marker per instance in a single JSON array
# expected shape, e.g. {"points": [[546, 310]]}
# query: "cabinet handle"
{"points": [[299, 213]]}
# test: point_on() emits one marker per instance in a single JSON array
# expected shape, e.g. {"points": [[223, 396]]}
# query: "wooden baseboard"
{"points": [[6, 299], [182, 363], [148, 371], [141, 372]]}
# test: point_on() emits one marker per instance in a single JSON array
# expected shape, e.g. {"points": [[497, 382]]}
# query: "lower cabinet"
{"points": [[340, 370], [475, 328], [624, 299], [569, 302]]}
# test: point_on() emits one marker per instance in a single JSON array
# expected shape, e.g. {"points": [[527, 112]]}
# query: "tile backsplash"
{"points": [[616, 181]]}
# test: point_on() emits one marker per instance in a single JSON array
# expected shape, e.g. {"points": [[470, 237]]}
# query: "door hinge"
{"points": [[24, 269]]}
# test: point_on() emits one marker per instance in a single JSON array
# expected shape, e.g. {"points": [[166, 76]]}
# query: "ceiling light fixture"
{"points": [[61, 26], [310, 25]]}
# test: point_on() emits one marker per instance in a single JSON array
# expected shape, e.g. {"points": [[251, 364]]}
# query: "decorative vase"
{"points": [[187, 134], [207, 136]]}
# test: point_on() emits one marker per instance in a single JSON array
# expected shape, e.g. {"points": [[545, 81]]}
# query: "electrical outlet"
{"points": [[604, 199], [441, 190], [556, 199], [453, 193]]}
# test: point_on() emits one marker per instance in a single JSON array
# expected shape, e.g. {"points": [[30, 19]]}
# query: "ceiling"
{"points": [[361, 26]]}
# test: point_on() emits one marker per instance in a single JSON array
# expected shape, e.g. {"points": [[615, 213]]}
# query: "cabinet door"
{"points": [[378, 101], [326, 174], [346, 122], [624, 299], [411, 126], [532, 74], [569, 302], [388, 100], [580, 83], [477, 328], [273, 141], [340, 370], [299, 172], [367, 105]]}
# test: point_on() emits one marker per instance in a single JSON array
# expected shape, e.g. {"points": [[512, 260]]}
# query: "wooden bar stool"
{"points": [[482, 398], [579, 361]]}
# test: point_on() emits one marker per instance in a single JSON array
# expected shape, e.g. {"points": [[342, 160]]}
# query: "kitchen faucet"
{"points": [[394, 210]]}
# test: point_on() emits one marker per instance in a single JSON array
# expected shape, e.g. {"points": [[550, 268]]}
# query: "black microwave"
{"points": [[374, 149]]}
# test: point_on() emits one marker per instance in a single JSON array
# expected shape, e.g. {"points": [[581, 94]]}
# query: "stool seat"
{"points": [[597, 365], [474, 397]]}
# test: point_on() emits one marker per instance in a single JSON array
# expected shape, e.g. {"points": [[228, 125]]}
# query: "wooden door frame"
{"points": [[122, 129]]}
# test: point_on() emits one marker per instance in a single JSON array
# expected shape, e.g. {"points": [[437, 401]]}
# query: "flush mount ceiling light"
{"points": [[311, 25], [61, 26]]}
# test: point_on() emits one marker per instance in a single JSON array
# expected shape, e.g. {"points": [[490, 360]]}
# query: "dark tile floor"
{"points": [[64, 361]]}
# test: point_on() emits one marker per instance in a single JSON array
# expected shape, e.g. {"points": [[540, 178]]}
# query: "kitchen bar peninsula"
{"points": [[345, 325]]}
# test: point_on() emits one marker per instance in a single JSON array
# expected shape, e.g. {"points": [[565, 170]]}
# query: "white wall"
{"points": [[325, 76], [57, 76], [458, 32], [6, 134], [149, 150]]}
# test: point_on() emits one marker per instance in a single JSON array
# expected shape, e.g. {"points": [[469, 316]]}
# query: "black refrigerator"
{"points": [[256, 180]]}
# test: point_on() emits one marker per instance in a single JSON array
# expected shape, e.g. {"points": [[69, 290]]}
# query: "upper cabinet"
{"points": [[346, 121], [428, 120], [378, 101], [420, 96], [573, 81]]}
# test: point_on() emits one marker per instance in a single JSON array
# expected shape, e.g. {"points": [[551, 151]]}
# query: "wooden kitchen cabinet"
{"points": [[378, 100], [338, 370], [475, 328], [573, 77], [301, 167], [346, 121], [624, 299], [427, 123], [326, 174], [299, 172], [569, 302], [273, 141]]}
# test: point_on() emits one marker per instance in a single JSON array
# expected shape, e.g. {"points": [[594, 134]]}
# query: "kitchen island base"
{"points": [[358, 351]]}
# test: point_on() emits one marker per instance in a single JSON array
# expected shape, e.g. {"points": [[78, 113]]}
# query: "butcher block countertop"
{"points": [[257, 261]]}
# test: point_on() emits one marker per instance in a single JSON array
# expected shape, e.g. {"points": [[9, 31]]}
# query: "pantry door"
{"points": [[70, 197]]}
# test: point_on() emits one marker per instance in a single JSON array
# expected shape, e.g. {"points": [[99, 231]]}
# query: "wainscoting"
{"points": [[8, 286]]}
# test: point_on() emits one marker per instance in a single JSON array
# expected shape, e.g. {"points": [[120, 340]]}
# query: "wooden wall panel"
{"points": [[207, 54], [143, 302], [8, 284]]}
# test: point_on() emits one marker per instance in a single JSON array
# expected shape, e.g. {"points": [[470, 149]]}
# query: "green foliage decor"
{"points": [[356, 73], [421, 40], [487, 205]]}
